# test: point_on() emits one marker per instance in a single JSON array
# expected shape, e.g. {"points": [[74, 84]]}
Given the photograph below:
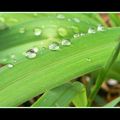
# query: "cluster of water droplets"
{"points": [[55, 46]]}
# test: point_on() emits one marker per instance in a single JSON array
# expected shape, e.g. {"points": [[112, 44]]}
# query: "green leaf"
{"points": [[31, 77], [113, 102], [81, 99], [103, 73], [60, 96]]}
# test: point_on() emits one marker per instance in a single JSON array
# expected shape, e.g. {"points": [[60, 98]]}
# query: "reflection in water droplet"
{"points": [[37, 31], [66, 42], [60, 16], [54, 46], [91, 30], [100, 28], [22, 30], [10, 65]]}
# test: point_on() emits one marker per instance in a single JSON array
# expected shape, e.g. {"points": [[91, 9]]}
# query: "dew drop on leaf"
{"points": [[91, 30], [77, 35], [37, 31], [100, 28], [65, 42], [32, 53], [54, 46], [10, 65]]}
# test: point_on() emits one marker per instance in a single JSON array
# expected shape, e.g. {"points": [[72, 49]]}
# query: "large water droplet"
{"points": [[60, 16], [77, 20], [65, 42], [35, 49], [37, 31], [10, 65], [100, 28], [22, 30], [91, 30], [32, 53], [62, 32], [54, 46]]}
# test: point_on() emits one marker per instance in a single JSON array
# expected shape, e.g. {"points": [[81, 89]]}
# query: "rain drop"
{"points": [[37, 31], [54, 46], [77, 35], [91, 30], [31, 53], [66, 42], [10, 65], [100, 28]]}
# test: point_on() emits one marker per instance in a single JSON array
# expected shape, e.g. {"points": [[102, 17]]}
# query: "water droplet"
{"points": [[77, 20], [88, 59], [62, 32], [22, 30], [60, 16], [66, 42], [100, 28], [82, 34], [77, 35], [37, 31], [10, 65], [54, 46], [31, 53], [91, 30], [35, 49], [112, 82]]}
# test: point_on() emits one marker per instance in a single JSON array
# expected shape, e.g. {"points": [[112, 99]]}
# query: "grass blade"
{"points": [[113, 102], [60, 96], [103, 73]]}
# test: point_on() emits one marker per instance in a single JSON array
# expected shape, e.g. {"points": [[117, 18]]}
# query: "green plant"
{"points": [[45, 53]]}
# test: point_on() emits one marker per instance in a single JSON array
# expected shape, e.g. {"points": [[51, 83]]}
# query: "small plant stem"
{"points": [[103, 73]]}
